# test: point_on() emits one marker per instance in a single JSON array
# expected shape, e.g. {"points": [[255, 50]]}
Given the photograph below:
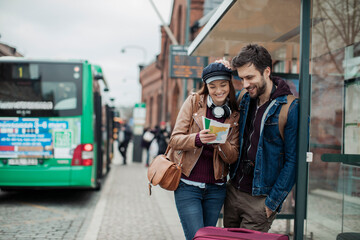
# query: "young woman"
{"points": [[202, 189]]}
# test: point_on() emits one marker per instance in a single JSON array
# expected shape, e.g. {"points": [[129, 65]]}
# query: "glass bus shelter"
{"points": [[318, 41]]}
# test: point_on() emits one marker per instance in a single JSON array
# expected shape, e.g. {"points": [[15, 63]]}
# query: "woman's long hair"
{"points": [[232, 100]]}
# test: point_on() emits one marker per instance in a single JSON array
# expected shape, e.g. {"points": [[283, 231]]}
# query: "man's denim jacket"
{"points": [[274, 172]]}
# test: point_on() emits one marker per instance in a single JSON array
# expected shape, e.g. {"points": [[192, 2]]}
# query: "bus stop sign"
{"points": [[184, 66]]}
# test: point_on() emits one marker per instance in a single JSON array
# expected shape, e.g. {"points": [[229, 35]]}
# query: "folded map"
{"points": [[221, 130]]}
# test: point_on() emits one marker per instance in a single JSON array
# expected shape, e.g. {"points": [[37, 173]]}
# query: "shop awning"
{"points": [[271, 23]]}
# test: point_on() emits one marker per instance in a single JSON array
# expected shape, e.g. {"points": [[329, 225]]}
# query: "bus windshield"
{"points": [[40, 89]]}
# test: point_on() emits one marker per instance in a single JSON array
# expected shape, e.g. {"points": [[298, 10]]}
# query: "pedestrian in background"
{"points": [[154, 146], [163, 137], [201, 191], [127, 134], [160, 141], [147, 138], [265, 171]]}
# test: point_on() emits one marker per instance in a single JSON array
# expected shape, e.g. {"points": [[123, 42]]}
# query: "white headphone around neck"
{"points": [[218, 111]]}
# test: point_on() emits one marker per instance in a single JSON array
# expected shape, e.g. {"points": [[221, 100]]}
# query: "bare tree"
{"points": [[338, 27]]}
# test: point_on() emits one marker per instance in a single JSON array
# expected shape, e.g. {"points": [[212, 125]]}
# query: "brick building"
{"points": [[164, 95]]}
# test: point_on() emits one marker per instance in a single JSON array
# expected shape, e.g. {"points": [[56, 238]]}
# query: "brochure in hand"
{"points": [[221, 130]]}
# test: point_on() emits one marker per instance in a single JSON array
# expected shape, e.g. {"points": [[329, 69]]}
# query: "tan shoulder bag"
{"points": [[162, 170]]}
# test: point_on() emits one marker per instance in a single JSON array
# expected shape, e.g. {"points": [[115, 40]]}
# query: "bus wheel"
{"points": [[98, 185]]}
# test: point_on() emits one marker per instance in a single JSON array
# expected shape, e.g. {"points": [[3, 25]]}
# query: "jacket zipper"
{"points": [[223, 170], [222, 174], [242, 176], [195, 121], [195, 148], [178, 153], [231, 129], [252, 133], [222, 152]]}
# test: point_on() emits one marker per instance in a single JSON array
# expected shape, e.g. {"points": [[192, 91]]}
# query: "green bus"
{"points": [[55, 124]]}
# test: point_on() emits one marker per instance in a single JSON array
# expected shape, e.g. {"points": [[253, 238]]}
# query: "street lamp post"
{"points": [[137, 130], [123, 50]]}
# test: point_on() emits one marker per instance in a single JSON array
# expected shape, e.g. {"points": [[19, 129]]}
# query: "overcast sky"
{"points": [[95, 30]]}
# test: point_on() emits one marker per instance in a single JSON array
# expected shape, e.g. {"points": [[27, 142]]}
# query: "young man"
{"points": [[264, 173]]}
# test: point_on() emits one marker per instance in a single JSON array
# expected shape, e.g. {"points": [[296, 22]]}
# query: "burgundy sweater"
{"points": [[204, 168]]}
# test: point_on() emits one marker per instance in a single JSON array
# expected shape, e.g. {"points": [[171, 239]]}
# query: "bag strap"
{"points": [[195, 109], [284, 114], [240, 96]]}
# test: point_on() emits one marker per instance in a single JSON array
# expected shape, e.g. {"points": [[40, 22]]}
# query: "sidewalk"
{"points": [[126, 211]]}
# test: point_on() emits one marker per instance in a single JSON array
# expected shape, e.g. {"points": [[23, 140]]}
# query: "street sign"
{"points": [[139, 118], [184, 66]]}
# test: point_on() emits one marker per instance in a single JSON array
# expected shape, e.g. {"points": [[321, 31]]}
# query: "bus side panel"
{"points": [[34, 176], [87, 121], [82, 176], [86, 175]]}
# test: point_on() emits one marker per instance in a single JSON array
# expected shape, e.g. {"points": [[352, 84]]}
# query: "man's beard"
{"points": [[260, 89]]}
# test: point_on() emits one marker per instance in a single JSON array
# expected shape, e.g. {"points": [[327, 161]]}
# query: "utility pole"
{"points": [[187, 27], [167, 29]]}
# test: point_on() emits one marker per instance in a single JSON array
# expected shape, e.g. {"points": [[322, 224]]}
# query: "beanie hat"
{"points": [[215, 71]]}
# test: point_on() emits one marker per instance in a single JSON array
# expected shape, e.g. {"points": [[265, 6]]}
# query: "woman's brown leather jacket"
{"points": [[182, 141]]}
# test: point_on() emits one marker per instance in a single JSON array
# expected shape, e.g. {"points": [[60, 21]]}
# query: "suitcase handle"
{"points": [[244, 230]]}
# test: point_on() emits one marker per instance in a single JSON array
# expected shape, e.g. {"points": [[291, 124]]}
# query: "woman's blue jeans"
{"points": [[198, 207]]}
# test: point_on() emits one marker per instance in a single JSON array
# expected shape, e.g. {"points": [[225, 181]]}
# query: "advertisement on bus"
{"points": [[27, 138]]}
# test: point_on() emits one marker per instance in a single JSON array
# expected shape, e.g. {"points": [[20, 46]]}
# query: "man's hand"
{"points": [[225, 62], [268, 212]]}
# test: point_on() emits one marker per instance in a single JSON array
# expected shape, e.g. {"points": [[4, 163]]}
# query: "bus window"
{"points": [[40, 89], [63, 94]]}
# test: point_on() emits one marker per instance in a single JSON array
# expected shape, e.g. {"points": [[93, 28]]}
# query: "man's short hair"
{"points": [[253, 54]]}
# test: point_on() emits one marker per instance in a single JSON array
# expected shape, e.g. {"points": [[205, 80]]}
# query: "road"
{"points": [[50, 214]]}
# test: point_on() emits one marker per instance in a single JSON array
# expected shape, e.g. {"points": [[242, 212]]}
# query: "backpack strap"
{"points": [[284, 114], [241, 94]]}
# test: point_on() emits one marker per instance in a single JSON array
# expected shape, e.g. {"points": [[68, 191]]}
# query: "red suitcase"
{"points": [[236, 233]]}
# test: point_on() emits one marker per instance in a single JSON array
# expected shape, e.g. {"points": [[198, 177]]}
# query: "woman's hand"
{"points": [[206, 137]]}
